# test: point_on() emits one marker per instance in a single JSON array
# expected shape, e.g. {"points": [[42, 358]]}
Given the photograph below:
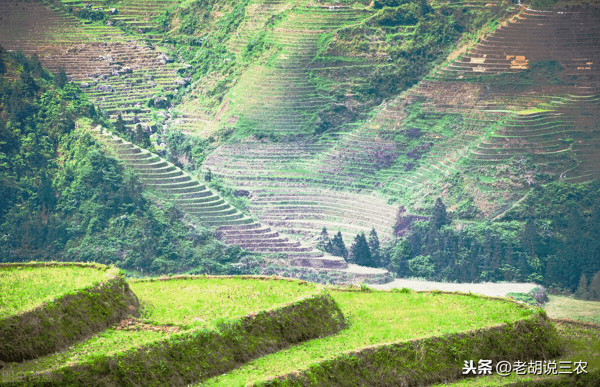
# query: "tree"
{"points": [[120, 124], [339, 248], [208, 175], [374, 247], [360, 251], [324, 243], [1, 60], [529, 235], [440, 216], [594, 288], [582, 289], [421, 266], [61, 77]]}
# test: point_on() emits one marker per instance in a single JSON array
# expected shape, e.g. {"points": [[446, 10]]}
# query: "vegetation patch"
{"points": [[84, 299], [581, 343], [211, 326], [378, 318], [64, 198]]}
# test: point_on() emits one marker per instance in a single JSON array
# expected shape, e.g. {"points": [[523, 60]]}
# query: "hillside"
{"points": [[461, 137], [252, 330]]}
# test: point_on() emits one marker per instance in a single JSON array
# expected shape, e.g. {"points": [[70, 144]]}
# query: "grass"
{"points": [[204, 300], [581, 344], [377, 318], [180, 304], [569, 308], [23, 288]]}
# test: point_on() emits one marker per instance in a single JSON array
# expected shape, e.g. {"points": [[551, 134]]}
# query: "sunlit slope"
{"points": [[210, 209], [390, 341], [190, 326]]}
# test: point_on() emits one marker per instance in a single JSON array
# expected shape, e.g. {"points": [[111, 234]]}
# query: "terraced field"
{"points": [[541, 123], [232, 226], [244, 329], [119, 72], [206, 311]]}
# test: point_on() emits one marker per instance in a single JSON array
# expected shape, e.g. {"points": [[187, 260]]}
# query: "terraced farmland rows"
{"points": [[551, 123], [233, 227], [137, 14], [118, 73], [293, 187], [276, 97], [532, 36]]}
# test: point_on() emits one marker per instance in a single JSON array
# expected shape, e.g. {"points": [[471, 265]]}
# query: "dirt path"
{"points": [[487, 288]]}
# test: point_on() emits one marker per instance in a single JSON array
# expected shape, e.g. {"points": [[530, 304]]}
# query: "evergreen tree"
{"points": [[120, 125], [594, 288], [529, 235], [208, 175], [374, 247], [1, 60], [35, 66], [61, 77], [582, 289], [339, 248], [140, 137], [324, 243], [360, 251], [440, 216]]}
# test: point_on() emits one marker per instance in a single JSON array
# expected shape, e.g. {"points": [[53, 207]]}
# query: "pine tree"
{"points": [[594, 288], [440, 216], [2, 67], [582, 289], [324, 243], [360, 251], [120, 125], [61, 78], [339, 248], [529, 235], [374, 247]]}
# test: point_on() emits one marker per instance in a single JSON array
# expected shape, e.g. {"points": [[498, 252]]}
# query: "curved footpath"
{"points": [[500, 289]]}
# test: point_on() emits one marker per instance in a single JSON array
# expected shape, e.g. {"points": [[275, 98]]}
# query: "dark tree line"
{"points": [[363, 252]]}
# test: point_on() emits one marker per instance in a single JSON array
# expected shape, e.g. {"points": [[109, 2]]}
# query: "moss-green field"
{"points": [[582, 344], [202, 301], [171, 306], [378, 318], [573, 309], [24, 288]]}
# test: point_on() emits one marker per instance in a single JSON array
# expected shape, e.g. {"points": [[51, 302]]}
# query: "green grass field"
{"points": [[174, 306], [23, 288], [202, 301], [377, 318], [572, 309], [581, 344]]}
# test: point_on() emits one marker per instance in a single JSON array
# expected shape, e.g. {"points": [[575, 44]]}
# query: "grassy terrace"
{"points": [[24, 288], [582, 341], [378, 318], [174, 306]]}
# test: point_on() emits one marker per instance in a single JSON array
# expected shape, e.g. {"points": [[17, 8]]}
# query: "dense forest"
{"points": [[553, 239], [63, 198]]}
